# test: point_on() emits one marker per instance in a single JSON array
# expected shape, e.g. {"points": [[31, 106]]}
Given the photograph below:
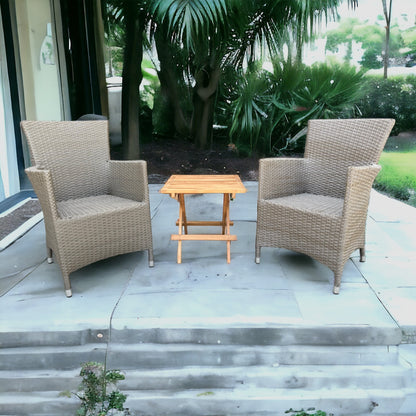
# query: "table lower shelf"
{"points": [[203, 237], [206, 223]]}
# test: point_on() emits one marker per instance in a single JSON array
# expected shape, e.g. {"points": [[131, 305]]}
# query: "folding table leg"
{"points": [[181, 203], [182, 222], [226, 214]]}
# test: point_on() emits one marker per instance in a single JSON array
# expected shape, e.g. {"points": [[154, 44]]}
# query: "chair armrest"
{"points": [[128, 179], [41, 180], [281, 177], [357, 195]]}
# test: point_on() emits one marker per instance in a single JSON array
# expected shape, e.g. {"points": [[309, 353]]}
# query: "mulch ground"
{"points": [[10, 222], [169, 156]]}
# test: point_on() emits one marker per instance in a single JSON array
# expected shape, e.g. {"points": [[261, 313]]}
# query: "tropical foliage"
{"points": [[196, 41], [269, 110]]}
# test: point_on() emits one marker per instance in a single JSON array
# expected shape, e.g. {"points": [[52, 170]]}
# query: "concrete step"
{"points": [[233, 331], [289, 377], [164, 356], [36, 338], [58, 358], [240, 401], [248, 401], [50, 403], [39, 380], [241, 331]]}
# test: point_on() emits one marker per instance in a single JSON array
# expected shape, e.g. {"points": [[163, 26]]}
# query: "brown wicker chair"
{"points": [[317, 205], [93, 207]]}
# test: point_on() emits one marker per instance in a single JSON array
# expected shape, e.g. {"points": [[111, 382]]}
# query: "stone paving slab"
{"points": [[286, 287]]}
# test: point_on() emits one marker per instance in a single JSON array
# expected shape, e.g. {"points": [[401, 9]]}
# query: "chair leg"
{"points": [[362, 255], [49, 255], [150, 254], [337, 282], [257, 259], [67, 284]]}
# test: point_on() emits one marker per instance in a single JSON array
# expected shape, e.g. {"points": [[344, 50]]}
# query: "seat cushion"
{"points": [[93, 205], [317, 204]]}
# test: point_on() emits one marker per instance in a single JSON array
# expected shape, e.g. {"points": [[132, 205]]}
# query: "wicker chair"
{"points": [[317, 205], [93, 207]]}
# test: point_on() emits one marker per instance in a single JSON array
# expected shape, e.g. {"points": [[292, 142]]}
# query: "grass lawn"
{"points": [[398, 175]]}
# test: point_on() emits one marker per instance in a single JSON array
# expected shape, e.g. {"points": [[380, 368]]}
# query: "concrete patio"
{"points": [[120, 306]]}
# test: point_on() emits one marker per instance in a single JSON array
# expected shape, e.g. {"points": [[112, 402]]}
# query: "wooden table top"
{"points": [[203, 184]]}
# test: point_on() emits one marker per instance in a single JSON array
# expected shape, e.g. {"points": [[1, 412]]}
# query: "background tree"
{"points": [[343, 35], [387, 15], [371, 37], [409, 40]]}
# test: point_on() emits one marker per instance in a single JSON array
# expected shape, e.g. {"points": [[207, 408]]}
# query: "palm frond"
{"points": [[190, 20]]}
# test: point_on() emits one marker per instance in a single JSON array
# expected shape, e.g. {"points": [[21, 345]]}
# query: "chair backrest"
{"points": [[334, 145], [76, 153]]}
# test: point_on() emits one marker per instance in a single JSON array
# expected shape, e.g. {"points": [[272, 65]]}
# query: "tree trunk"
{"points": [[99, 47], [204, 104], [386, 49], [387, 16], [169, 83], [132, 77], [299, 43]]}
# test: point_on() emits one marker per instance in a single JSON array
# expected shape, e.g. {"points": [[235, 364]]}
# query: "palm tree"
{"points": [[208, 35], [215, 33], [198, 28]]}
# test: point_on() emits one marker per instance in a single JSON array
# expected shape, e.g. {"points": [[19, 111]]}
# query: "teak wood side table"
{"points": [[178, 186]]}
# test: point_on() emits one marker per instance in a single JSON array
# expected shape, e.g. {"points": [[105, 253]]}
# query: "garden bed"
{"points": [[170, 156]]}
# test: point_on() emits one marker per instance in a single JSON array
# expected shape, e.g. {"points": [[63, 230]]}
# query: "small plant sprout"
{"points": [[98, 392]]}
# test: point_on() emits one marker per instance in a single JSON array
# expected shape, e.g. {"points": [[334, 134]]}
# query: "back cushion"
{"points": [[334, 145], [76, 152]]}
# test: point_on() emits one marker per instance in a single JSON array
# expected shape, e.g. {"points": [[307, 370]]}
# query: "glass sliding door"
{"points": [[33, 81], [9, 173]]}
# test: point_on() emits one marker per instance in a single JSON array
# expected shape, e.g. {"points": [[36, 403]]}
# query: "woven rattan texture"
{"points": [[93, 208], [317, 205], [334, 145], [76, 208], [84, 143]]}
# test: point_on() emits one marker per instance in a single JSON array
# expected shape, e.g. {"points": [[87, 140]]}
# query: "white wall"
{"points": [[39, 70]]}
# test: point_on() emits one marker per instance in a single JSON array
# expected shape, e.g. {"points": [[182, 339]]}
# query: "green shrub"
{"points": [[302, 412], [267, 112], [393, 97]]}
